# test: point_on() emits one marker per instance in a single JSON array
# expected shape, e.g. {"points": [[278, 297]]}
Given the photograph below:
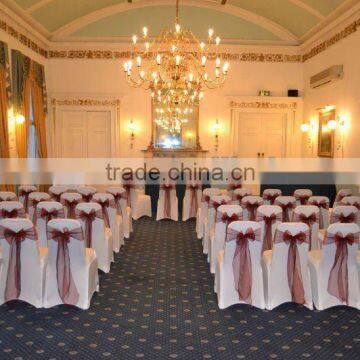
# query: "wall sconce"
{"points": [[216, 130], [132, 129], [309, 128]]}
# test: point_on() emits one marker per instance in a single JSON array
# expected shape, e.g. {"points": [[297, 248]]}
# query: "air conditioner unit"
{"points": [[327, 76]]}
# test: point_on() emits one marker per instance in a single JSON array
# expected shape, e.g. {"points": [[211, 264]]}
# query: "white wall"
{"points": [[104, 77]]}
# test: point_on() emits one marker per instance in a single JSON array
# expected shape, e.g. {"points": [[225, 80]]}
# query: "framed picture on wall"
{"points": [[326, 134]]}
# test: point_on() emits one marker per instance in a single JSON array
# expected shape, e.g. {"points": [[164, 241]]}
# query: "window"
{"points": [[32, 151]]}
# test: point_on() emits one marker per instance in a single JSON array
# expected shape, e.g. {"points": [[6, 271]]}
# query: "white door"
{"points": [[85, 134], [261, 135]]}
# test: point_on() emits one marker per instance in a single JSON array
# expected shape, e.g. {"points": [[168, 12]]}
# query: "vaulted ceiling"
{"points": [[261, 21]]}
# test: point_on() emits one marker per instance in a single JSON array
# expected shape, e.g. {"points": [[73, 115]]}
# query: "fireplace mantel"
{"points": [[152, 152]]}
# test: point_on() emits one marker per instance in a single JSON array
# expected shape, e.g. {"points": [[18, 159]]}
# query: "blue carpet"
{"points": [[158, 303]]}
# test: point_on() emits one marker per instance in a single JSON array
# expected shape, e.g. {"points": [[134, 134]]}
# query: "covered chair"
{"points": [[22, 271], [8, 196], [34, 199], [72, 269], [24, 192], [192, 200], [139, 202], [323, 203], [287, 204], [209, 222], [239, 276], [46, 211], [309, 215], [70, 200], [302, 196], [334, 270], [11, 210], [123, 209], [269, 217], [352, 201], [167, 205], [232, 186], [86, 192], [96, 235], [56, 191], [269, 196], [226, 214], [239, 194], [344, 214], [340, 196], [203, 209], [286, 272], [112, 220], [250, 204]]}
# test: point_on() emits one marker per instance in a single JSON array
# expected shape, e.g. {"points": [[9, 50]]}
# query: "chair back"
{"points": [[351, 200], [269, 196], [107, 203], [8, 196], [323, 203], [344, 214], [34, 199], [250, 205], [56, 191], [340, 196], [215, 202], [70, 200], [23, 192], [239, 194], [86, 192], [302, 196], [120, 197], [287, 203], [11, 209]]}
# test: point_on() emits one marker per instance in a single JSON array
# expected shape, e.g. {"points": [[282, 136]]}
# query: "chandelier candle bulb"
{"points": [[145, 31], [217, 41], [211, 33], [134, 39]]}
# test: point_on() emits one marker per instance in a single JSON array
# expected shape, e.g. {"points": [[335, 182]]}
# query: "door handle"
{"points": [[258, 154], [262, 154]]}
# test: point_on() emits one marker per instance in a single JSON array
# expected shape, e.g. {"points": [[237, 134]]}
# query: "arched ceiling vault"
{"points": [[267, 21]]}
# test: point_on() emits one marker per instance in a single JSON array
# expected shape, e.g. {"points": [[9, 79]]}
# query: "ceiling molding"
{"points": [[261, 21], [308, 8], [38, 5]]}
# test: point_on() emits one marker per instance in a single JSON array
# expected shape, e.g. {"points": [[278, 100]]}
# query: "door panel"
{"points": [[98, 132]]}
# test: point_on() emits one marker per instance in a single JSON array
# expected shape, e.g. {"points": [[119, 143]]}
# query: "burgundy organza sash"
{"points": [[322, 204], [268, 220], [128, 187], [271, 197], [309, 220], [50, 214], [356, 204], [193, 199], [233, 187], [227, 219], [117, 197], [242, 261], [342, 218], [66, 285], [25, 193], [205, 199], [87, 197], [34, 203], [167, 198], [295, 282], [12, 214], [286, 208], [105, 205], [239, 197], [302, 198], [338, 284], [13, 278], [70, 206], [251, 208], [88, 218], [341, 196]]}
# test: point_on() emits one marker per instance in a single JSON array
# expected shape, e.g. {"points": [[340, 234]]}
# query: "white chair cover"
{"points": [[139, 202], [309, 215], [344, 214], [239, 276], [34, 199], [11, 210], [111, 218], [70, 200], [167, 205], [56, 191], [79, 263], [239, 194], [8, 196], [86, 192], [226, 214], [232, 186], [269, 196], [286, 274], [340, 196], [203, 208], [24, 279], [323, 203], [302, 196], [96, 235], [336, 262], [46, 211], [209, 222], [352, 201], [24, 191], [192, 200], [250, 205], [268, 216], [123, 209], [288, 204]]}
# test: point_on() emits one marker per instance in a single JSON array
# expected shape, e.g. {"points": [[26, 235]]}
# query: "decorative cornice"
{"points": [[22, 38], [350, 29], [85, 102], [262, 105]]}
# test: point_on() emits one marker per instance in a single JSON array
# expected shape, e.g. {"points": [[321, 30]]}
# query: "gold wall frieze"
{"points": [[85, 102], [262, 105]]}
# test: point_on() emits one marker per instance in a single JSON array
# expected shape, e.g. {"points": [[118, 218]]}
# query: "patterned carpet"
{"points": [[158, 303]]}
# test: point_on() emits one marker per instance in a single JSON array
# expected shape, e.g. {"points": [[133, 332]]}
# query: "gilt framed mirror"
{"points": [[326, 134]]}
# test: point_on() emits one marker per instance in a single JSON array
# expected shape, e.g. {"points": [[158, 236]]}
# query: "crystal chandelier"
{"points": [[176, 66]]}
